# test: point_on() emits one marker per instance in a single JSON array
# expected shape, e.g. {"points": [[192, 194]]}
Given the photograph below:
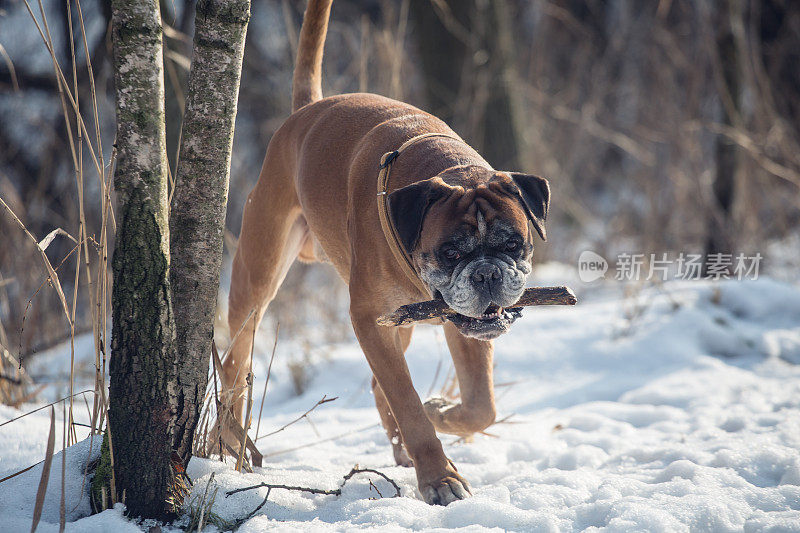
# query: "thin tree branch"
{"points": [[324, 399], [330, 492]]}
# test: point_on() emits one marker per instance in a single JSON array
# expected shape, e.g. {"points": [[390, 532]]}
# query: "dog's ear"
{"points": [[408, 207], [535, 193]]}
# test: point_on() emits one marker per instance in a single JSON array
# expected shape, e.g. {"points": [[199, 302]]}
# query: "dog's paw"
{"points": [[446, 490], [435, 408]]}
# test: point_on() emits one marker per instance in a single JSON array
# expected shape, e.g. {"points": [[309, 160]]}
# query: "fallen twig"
{"points": [[257, 509], [44, 407], [329, 492], [373, 486], [312, 490], [355, 470], [321, 441], [15, 474], [324, 399]]}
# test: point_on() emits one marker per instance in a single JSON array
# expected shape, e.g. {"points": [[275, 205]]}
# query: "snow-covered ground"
{"points": [[674, 408]]}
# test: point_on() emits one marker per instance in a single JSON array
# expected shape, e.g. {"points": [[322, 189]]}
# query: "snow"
{"points": [[661, 408], [18, 493]]}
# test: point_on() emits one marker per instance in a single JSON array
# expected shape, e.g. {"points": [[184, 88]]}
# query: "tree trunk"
{"points": [[197, 220], [504, 117], [721, 221], [143, 391], [465, 51], [443, 53]]}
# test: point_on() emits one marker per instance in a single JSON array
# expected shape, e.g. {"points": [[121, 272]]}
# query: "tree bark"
{"points": [[143, 391], [465, 51], [721, 224], [197, 220], [443, 53]]}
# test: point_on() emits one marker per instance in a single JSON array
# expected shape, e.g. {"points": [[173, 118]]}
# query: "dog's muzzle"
{"points": [[481, 293], [493, 323]]}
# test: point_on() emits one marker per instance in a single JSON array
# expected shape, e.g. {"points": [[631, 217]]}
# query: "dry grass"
{"points": [[218, 432], [16, 387], [200, 514], [88, 253], [45, 478]]}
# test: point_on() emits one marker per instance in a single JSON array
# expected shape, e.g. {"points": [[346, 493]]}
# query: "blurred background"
{"points": [[663, 126]]}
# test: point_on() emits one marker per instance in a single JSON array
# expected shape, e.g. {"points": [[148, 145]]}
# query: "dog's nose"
{"points": [[486, 274]]}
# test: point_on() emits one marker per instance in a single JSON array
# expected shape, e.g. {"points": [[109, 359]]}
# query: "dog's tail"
{"points": [[307, 82]]}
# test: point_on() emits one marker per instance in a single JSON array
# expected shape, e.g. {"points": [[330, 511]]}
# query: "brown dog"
{"points": [[466, 227]]}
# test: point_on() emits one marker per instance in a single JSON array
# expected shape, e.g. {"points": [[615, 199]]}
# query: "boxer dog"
{"points": [[466, 228]]}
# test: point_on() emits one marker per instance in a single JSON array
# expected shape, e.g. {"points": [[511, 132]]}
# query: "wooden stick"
{"points": [[331, 492], [416, 312]]}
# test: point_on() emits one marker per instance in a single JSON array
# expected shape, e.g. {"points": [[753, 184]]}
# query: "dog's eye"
{"points": [[452, 254], [512, 245]]}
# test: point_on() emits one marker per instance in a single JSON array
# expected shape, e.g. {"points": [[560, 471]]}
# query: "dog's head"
{"points": [[468, 233]]}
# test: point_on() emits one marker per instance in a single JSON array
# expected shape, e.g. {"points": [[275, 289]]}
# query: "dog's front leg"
{"points": [[437, 478], [476, 411]]}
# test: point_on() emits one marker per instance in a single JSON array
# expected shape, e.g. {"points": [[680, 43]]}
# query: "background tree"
{"points": [[466, 49], [143, 394], [197, 220], [728, 75], [158, 378]]}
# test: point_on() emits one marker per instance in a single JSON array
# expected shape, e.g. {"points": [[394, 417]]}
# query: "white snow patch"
{"points": [[18, 494], [685, 418]]}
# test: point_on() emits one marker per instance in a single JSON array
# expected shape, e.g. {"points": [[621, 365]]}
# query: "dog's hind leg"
{"points": [[387, 418], [273, 233]]}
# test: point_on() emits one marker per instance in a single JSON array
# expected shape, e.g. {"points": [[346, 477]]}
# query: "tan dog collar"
{"points": [[402, 255]]}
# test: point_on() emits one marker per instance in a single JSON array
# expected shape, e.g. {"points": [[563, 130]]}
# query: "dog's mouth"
{"points": [[494, 321]]}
